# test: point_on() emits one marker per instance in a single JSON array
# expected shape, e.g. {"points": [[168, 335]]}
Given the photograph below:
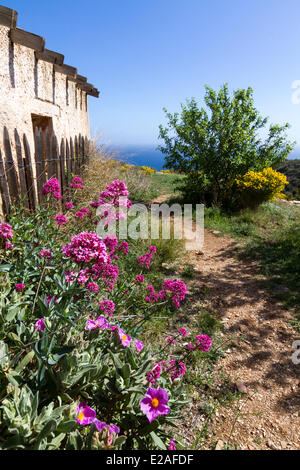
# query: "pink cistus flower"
{"points": [[172, 445], [19, 287], [77, 183], [125, 339], [154, 403], [6, 231], [60, 219], [40, 324], [85, 414], [69, 206], [86, 247], [139, 345], [100, 323], [52, 186], [46, 254]]}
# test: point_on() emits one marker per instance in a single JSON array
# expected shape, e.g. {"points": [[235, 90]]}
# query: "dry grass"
{"points": [[105, 168]]}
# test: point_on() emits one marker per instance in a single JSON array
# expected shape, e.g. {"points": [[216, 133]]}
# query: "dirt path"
{"points": [[268, 416]]}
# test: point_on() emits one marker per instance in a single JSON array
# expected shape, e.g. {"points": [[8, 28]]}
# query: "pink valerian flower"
{"points": [[183, 332], [19, 287], [60, 219], [40, 324], [83, 276], [108, 272], [9, 246], [46, 254], [125, 339], [176, 369], [152, 249], [123, 247], [107, 306], [6, 231], [140, 279], [69, 206], [172, 445], [111, 241], [139, 345], [153, 376], [154, 403], [52, 186], [79, 215], [99, 322], [86, 247], [70, 276], [77, 183], [203, 343], [93, 287], [152, 296], [145, 260], [177, 289], [170, 340]]}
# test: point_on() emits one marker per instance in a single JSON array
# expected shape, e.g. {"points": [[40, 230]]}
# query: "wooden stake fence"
{"points": [[22, 175]]}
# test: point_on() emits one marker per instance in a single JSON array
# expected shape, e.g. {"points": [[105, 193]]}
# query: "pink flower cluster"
{"points": [[20, 287], [140, 279], [177, 290], [146, 259], [6, 231], [77, 183], [60, 219], [108, 272], [176, 369], [82, 213], [93, 287], [86, 247], [202, 343], [46, 254], [52, 186], [107, 306], [69, 205]]}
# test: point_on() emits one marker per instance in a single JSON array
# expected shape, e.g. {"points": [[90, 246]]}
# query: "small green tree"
{"points": [[213, 147]]}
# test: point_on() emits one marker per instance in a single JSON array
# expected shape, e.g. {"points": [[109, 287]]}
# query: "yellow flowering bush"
{"points": [[148, 170], [256, 187]]}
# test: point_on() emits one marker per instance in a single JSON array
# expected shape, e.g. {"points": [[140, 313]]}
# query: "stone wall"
{"points": [[29, 86]]}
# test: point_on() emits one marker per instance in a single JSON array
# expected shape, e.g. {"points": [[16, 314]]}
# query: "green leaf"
{"points": [[157, 441], [24, 361], [67, 426], [49, 427]]}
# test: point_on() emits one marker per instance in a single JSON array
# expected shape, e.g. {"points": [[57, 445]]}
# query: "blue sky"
{"points": [[144, 55]]}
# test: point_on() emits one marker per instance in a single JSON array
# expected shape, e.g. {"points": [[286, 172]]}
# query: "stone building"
{"points": [[37, 90]]}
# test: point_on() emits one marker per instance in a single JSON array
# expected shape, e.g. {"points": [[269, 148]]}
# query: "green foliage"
{"points": [[291, 169], [215, 147]]}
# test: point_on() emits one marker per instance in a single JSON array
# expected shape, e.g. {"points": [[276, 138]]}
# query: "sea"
{"points": [[144, 155], [139, 155]]}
